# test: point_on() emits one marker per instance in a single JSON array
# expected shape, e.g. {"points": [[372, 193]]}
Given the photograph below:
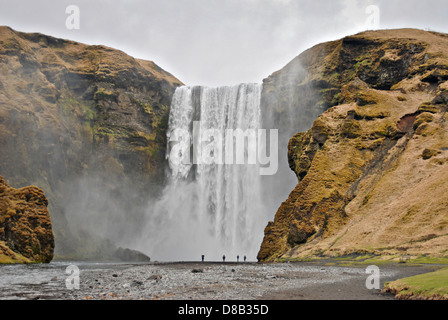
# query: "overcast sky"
{"points": [[218, 42]]}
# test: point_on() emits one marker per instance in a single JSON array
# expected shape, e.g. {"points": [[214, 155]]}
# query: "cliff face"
{"points": [[25, 226], [82, 122], [373, 168]]}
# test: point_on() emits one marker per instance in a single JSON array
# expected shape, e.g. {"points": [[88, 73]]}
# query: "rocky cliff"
{"points": [[26, 233], [87, 124], [372, 170]]}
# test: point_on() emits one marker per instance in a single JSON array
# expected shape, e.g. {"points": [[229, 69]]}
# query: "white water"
{"points": [[210, 209]]}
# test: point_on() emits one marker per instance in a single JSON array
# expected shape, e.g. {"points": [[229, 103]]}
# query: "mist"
{"points": [[103, 213]]}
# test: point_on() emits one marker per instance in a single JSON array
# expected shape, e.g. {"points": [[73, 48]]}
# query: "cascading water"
{"points": [[209, 208]]}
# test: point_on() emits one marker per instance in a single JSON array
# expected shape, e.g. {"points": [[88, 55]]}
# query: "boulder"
{"points": [[26, 233]]}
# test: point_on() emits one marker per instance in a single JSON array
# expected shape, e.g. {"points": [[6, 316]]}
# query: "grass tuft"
{"points": [[428, 286]]}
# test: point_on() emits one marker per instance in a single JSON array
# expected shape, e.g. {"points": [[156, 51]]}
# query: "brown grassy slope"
{"points": [[373, 167]]}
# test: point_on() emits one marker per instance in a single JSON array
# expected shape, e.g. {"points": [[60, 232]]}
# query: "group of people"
{"points": [[224, 258]]}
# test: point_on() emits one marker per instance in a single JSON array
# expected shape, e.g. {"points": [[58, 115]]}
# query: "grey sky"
{"points": [[217, 42]]}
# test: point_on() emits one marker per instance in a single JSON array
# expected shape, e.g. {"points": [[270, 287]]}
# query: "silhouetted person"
{"points": [[244, 258], [223, 258], [237, 258], [203, 258]]}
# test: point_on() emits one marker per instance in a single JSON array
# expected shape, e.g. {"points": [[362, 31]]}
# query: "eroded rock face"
{"points": [[26, 233], [87, 124], [373, 167]]}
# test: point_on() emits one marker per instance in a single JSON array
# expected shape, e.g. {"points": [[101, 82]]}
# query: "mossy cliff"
{"points": [[73, 116], [26, 233], [373, 168]]}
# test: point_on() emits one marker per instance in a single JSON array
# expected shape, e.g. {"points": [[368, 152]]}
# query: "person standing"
{"points": [[224, 258]]}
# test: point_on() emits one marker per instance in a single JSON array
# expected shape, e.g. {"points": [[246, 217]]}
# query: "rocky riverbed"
{"points": [[194, 281]]}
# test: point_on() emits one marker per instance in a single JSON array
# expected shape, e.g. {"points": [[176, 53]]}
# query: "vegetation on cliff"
{"points": [[372, 169], [26, 233], [87, 124]]}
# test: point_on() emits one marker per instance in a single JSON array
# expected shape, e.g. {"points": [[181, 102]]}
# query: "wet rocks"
{"points": [[248, 281], [129, 255], [197, 271], [156, 277], [136, 283]]}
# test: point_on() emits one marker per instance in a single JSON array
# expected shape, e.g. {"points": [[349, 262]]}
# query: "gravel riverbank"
{"points": [[196, 281]]}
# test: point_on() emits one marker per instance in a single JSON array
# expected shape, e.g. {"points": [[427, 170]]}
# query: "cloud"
{"points": [[217, 42]]}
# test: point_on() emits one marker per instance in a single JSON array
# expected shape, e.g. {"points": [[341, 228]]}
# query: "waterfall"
{"points": [[209, 208]]}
